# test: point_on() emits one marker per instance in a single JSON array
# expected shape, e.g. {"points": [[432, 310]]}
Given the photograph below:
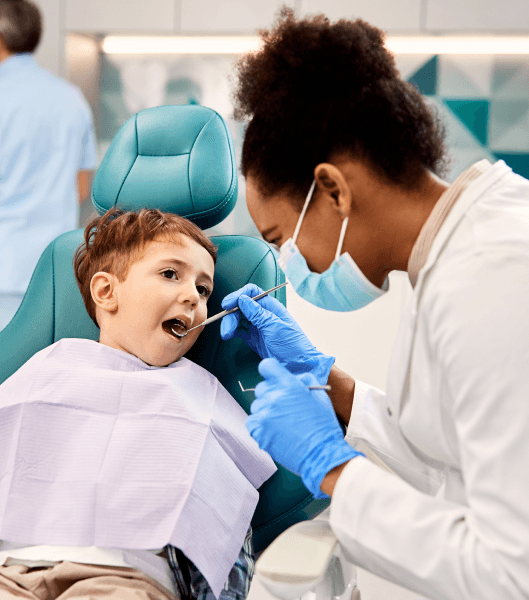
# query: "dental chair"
{"points": [[180, 159]]}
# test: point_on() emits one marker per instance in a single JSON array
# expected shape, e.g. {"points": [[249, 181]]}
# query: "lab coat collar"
{"points": [[14, 64], [400, 378], [464, 202]]}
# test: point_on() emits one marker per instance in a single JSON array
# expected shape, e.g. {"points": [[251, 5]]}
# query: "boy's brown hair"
{"points": [[113, 241]]}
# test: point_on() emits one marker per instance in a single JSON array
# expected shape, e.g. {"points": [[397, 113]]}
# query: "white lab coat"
{"points": [[454, 424]]}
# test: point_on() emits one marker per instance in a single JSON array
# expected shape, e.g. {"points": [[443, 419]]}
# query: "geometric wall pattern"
{"points": [[484, 104]]}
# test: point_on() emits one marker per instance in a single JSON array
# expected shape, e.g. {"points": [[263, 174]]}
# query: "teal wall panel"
{"points": [[474, 114], [484, 104], [425, 78], [518, 161]]}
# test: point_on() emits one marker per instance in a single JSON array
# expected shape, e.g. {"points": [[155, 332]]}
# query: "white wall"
{"points": [[125, 16], [404, 15], [235, 16], [477, 15], [51, 51]]}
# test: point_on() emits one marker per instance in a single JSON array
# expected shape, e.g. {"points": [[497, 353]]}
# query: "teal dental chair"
{"points": [[178, 159]]}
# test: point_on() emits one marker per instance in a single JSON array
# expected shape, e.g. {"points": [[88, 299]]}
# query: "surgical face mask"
{"points": [[342, 287]]}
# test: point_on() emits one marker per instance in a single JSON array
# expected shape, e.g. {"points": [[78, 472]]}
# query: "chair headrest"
{"points": [[178, 159]]}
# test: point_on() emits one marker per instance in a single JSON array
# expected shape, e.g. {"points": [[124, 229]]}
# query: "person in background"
{"points": [[47, 150]]}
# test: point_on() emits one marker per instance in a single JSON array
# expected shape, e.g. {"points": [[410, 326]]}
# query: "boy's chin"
{"points": [[154, 352], [163, 361], [170, 355], [162, 352]]}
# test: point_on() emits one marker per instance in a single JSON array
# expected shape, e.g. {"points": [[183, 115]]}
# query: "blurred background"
{"points": [[481, 93]]}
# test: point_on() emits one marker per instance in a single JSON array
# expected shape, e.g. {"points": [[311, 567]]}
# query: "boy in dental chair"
{"points": [[126, 470]]}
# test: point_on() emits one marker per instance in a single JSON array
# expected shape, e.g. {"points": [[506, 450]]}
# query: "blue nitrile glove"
{"points": [[270, 331], [297, 426]]}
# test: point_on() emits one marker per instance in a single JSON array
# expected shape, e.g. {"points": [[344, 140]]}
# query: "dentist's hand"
{"points": [[297, 426], [270, 331]]}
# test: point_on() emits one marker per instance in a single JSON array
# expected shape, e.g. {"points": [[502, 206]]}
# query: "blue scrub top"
{"points": [[46, 137]]}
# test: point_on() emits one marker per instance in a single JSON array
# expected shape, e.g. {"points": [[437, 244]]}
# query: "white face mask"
{"points": [[342, 287]]}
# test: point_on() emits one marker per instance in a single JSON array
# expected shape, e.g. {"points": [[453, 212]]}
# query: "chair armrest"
{"points": [[298, 560]]}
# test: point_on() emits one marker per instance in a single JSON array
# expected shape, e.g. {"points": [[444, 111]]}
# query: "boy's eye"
{"points": [[171, 271], [204, 291]]}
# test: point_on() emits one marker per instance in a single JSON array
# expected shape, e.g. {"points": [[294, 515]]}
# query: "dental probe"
{"points": [[232, 310], [327, 388]]}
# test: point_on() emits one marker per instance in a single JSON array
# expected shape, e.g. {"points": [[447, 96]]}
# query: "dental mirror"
{"points": [[182, 332]]}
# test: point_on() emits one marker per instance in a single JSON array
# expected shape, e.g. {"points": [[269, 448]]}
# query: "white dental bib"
{"points": [[99, 449]]}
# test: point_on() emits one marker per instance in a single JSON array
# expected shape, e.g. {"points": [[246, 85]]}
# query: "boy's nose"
{"points": [[188, 294]]}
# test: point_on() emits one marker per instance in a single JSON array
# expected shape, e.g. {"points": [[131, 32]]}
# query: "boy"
{"points": [[126, 471]]}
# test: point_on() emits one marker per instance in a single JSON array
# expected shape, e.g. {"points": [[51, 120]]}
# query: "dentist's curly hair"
{"points": [[115, 240], [315, 90]]}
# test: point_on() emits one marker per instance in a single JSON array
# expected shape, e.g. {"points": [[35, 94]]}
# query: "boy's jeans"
{"points": [[191, 582]]}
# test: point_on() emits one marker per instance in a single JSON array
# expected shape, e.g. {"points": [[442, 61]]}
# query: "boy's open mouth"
{"points": [[175, 327]]}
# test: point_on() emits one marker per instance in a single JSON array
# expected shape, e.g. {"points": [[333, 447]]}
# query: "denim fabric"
{"points": [[192, 584]]}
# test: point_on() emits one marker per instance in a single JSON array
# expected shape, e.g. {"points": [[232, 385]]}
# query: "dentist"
{"points": [[343, 160]]}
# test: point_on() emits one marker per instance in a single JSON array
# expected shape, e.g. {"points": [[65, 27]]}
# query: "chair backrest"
{"points": [[178, 159]]}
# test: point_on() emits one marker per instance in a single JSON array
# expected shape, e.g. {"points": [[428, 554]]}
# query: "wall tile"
{"points": [[475, 15], [50, 51], [228, 16], [404, 15], [154, 16]]}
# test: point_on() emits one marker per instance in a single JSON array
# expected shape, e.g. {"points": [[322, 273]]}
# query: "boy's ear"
{"points": [[102, 288]]}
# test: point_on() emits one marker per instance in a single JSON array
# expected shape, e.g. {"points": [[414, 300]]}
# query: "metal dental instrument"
{"points": [[232, 310], [310, 387]]}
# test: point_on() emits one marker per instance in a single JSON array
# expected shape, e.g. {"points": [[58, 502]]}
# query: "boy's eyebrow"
{"points": [[183, 263]]}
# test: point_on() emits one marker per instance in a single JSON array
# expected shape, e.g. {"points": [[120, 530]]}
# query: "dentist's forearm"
{"points": [[329, 481], [341, 394]]}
